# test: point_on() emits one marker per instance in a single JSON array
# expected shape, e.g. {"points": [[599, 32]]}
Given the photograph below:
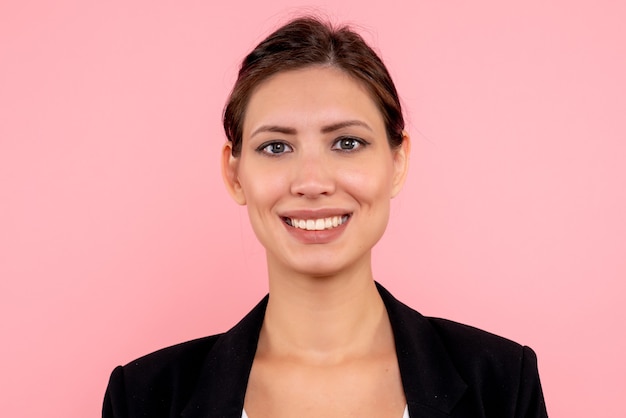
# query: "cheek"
{"points": [[261, 185], [369, 182]]}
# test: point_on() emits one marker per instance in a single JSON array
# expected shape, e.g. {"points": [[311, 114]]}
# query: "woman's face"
{"points": [[316, 171]]}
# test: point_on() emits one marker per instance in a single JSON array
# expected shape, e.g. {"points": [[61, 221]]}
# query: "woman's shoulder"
{"points": [[166, 381], [188, 354], [457, 338], [480, 353], [470, 339], [502, 373], [166, 377], [482, 369]]}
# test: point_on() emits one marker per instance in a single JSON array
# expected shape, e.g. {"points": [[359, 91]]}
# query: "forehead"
{"points": [[312, 95]]}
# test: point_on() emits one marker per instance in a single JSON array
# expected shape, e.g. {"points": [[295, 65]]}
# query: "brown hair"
{"points": [[304, 42]]}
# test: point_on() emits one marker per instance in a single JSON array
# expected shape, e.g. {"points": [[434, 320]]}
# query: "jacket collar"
{"points": [[431, 383], [222, 384]]}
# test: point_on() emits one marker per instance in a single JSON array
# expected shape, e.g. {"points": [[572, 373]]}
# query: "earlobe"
{"points": [[230, 174], [401, 164]]}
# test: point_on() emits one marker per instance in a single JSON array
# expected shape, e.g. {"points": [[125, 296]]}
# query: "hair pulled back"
{"points": [[307, 41]]}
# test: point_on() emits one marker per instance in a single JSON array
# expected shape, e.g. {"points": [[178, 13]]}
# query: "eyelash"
{"points": [[358, 143]]}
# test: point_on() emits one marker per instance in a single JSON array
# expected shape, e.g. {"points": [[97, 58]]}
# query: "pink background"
{"points": [[118, 238]]}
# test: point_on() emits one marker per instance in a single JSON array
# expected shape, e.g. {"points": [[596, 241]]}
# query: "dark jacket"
{"points": [[447, 369]]}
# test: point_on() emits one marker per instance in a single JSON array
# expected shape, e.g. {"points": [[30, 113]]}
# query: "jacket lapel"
{"points": [[431, 383], [222, 384]]}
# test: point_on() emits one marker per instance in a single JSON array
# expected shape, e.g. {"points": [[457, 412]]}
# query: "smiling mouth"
{"points": [[319, 224]]}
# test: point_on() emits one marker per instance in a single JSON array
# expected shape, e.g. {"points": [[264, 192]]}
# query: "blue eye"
{"points": [[274, 148], [348, 143]]}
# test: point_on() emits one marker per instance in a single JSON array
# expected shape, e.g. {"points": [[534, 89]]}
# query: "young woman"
{"points": [[316, 150]]}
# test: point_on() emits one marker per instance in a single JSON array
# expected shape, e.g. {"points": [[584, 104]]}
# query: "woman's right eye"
{"points": [[274, 148]]}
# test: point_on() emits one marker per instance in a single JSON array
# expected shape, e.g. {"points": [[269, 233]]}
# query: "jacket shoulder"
{"points": [[158, 382], [480, 356], [189, 354], [462, 339], [501, 373]]}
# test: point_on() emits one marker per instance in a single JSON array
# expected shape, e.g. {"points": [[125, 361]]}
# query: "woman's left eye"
{"points": [[348, 143]]}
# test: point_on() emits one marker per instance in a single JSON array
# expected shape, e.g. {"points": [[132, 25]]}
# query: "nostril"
{"points": [[313, 187], [312, 178]]}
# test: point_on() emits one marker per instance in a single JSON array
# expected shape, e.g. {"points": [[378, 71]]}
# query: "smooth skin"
{"points": [[315, 146]]}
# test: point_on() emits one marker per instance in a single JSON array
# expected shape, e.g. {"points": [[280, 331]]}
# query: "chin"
{"points": [[325, 266], [316, 270]]}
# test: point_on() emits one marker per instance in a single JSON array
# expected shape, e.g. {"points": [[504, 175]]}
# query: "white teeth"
{"points": [[318, 224]]}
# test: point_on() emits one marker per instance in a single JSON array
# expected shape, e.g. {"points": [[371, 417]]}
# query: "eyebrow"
{"points": [[345, 124], [325, 129], [274, 128]]}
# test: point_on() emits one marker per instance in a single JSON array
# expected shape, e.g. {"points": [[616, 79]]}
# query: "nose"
{"points": [[312, 177]]}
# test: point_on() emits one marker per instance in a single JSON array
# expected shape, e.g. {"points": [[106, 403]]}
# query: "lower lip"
{"points": [[317, 237]]}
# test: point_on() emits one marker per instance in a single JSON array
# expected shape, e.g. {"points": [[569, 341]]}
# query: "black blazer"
{"points": [[447, 369]]}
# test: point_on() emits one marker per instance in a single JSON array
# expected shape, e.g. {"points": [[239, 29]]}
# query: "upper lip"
{"points": [[314, 213]]}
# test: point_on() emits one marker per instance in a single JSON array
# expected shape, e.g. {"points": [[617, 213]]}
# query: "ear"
{"points": [[401, 164], [230, 174]]}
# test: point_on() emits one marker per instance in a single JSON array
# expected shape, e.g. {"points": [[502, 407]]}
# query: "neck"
{"points": [[324, 319]]}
